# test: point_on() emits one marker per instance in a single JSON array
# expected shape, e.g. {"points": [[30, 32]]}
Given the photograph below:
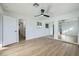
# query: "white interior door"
{"points": [[9, 30]]}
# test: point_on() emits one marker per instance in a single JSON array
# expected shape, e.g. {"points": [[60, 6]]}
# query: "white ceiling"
{"points": [[29, 9], [23, 8]]}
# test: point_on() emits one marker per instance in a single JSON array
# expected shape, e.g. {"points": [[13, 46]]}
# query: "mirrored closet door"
{"points": [[68, 30]]}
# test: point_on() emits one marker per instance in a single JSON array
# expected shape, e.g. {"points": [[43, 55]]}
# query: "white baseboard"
{"points": [[36, 37]]}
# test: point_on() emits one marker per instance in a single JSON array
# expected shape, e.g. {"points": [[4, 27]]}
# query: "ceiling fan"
{"points": [[42, 13]]}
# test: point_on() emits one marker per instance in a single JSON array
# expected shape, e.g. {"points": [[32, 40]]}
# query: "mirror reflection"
{"points": [[68, 30]]}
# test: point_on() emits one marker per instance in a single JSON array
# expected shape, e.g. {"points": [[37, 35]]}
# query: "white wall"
{"points": [[51, 28], [0, 30], [78, 30], [32, 31], [1, 12]]}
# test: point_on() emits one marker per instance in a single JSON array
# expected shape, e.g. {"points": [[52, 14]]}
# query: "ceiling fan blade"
{"points": [[46, 15], [48, 8], [42, 14], [38, 15]]}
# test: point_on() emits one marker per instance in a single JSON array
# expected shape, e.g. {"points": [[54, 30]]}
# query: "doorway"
{"points": [[51, 31], [21, 30]]}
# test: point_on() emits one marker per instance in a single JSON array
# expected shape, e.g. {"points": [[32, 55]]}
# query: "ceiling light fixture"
{"points": [[36, 4]]}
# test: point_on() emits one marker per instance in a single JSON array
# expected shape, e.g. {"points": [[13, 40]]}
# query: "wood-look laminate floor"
{"points": [[40, 47]]}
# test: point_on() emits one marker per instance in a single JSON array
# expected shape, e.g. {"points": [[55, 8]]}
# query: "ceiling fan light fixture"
{"points": [[41, 15], [36, 4]]}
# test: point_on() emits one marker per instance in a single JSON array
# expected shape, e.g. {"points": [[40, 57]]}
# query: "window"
{"points": [[39, 24], [46, 25]]}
